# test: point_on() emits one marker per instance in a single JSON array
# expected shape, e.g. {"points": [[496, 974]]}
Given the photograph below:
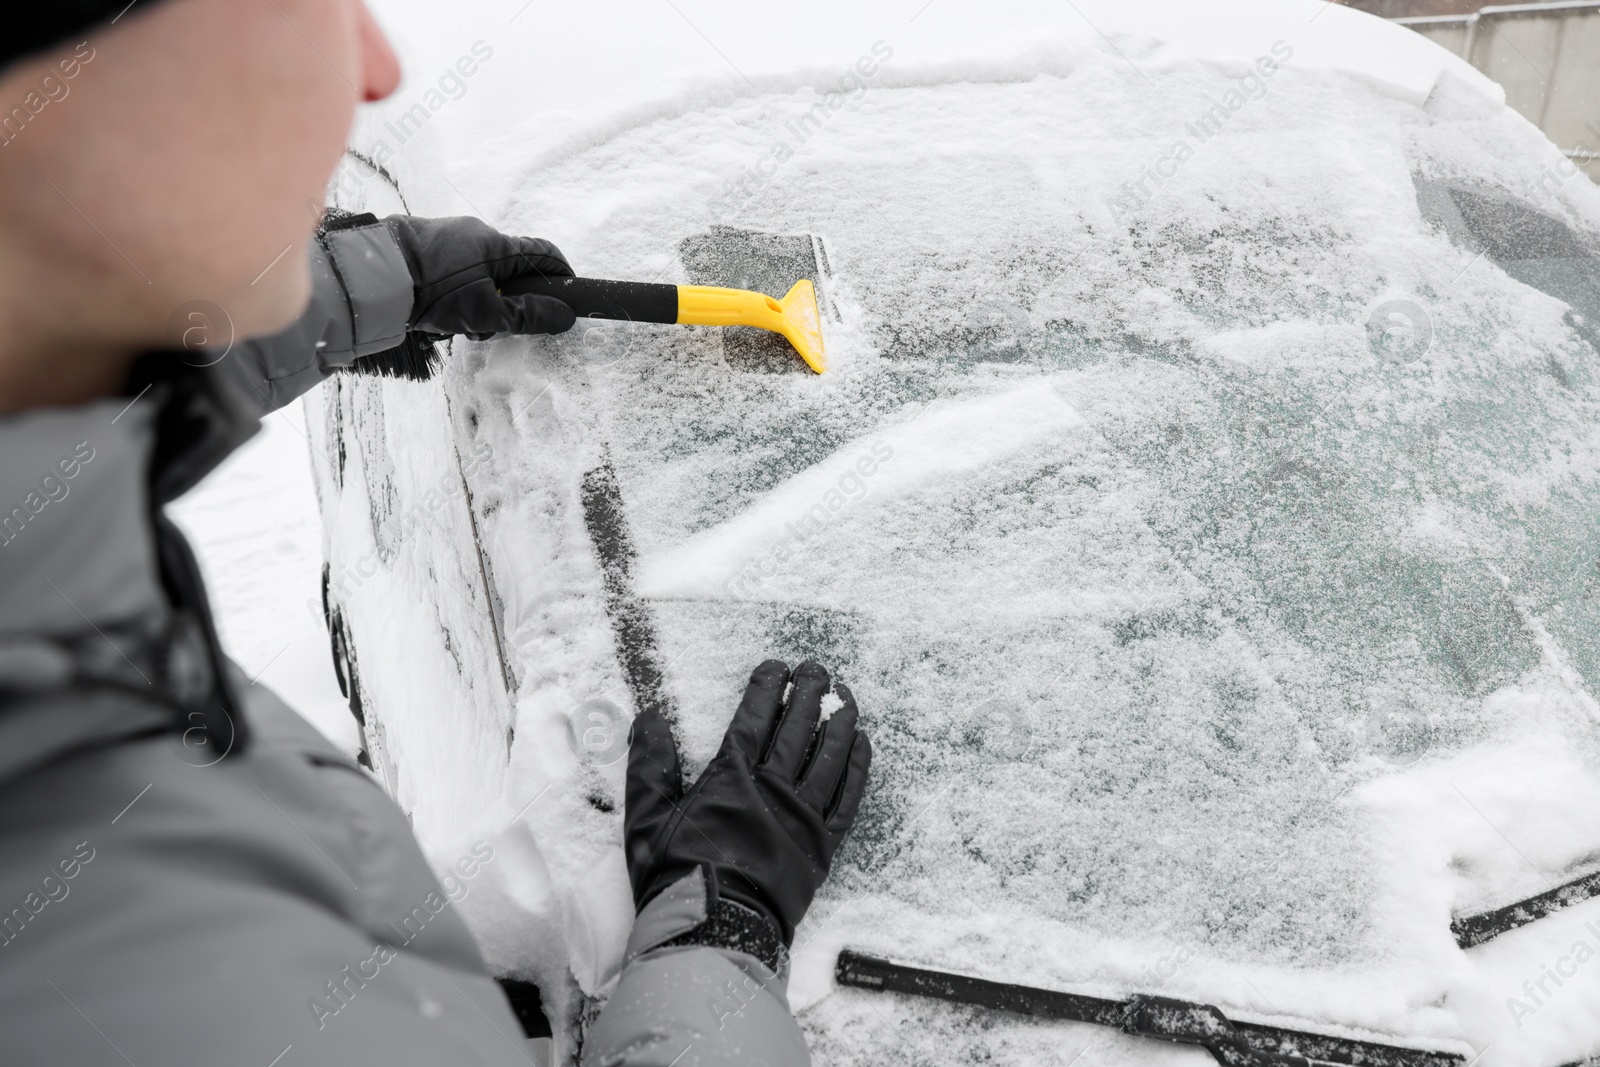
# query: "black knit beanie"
{"points": [[52, 22]]}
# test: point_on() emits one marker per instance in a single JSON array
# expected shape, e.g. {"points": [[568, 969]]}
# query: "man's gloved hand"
{"points": [[457, 268], [767, 814]]}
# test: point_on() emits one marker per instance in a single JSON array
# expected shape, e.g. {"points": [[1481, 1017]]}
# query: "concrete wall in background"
{"points": [[1548, 58]]}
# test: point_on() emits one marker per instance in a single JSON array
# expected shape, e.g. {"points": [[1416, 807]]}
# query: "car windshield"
{"points": [[1161, 510]]}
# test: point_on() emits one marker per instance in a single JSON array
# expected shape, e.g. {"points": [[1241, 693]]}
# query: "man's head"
{"points": [[184, 160]]}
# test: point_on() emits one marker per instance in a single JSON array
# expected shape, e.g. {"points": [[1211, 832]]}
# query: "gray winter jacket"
{"points": [[189, 874]]}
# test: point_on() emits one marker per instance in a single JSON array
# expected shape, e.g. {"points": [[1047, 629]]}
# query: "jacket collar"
{"points": [[79, 487], [86, 553], [204, 414]]}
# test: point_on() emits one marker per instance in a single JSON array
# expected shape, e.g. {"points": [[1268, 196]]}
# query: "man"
{"points": [[187, 870]]}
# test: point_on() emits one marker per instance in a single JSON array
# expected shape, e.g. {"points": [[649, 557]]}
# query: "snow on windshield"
{"points": [[1160, 506]]}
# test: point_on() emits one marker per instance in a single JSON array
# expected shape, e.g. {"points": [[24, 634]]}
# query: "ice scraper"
{"points": [[795, 316]]}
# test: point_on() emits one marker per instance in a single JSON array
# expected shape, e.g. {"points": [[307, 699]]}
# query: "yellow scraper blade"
{"points": [[795, 316]]}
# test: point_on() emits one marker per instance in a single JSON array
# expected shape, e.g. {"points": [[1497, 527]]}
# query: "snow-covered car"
{"points": [[1201, 501]]}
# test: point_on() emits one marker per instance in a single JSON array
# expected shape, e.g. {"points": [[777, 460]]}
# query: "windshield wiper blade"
{"points": [[1470, 930], [1233, 1044]]}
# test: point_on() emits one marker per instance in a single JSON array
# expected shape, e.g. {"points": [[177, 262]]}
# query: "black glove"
{"points": [[457, 268], [767, 814]]}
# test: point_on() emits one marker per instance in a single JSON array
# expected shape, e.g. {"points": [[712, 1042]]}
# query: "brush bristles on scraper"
{"points": [[416, 359]]}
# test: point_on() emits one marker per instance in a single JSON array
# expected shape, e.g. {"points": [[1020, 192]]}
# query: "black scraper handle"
{"points": [[597, 298]]}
